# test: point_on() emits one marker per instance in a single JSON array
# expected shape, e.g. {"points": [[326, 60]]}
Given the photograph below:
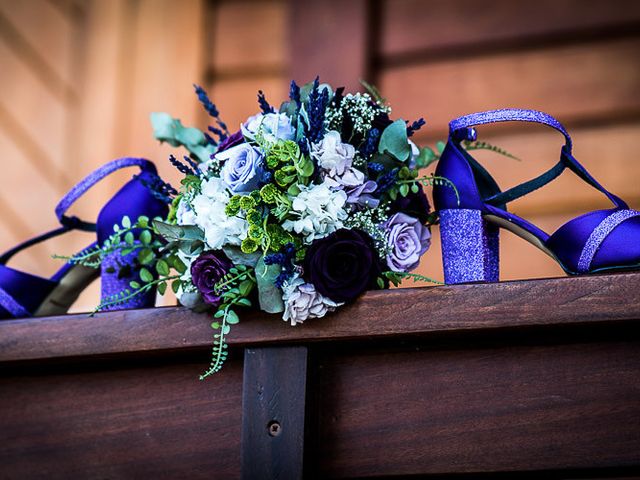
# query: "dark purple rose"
{"points": [[231, 141], [414, 204], [206, 272], [342, 265]]}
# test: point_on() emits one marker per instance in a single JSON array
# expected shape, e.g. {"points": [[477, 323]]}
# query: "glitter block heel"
{"points": [[471, 213], [470, 247], [114, 282]]}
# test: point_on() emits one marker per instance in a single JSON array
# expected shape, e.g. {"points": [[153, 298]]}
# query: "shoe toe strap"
{"points": [[599, 234], [11, 305]]}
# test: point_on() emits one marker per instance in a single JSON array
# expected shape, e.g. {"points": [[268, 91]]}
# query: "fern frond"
{"points": [[487, 146]]}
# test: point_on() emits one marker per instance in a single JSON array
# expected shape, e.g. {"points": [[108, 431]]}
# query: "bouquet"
{"points": [[297, 213]]}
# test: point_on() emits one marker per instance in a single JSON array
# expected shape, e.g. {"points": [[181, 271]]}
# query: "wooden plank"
{"points": [[586, 300], [148, 418], [44, 37], [36, 113], [273, 413], [589, 81], [237, 98], [330, 39], [249, 35], [168, 41], [478, 409], [432, 25]]}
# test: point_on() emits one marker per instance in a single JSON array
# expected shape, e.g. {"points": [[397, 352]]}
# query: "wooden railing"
{"points": [[539, 376]]}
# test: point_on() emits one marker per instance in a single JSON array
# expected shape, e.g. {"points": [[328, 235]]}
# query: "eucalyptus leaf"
{"points": [[395, 142], [269, 296], [167, 231], [238, 257], [232, 317]]}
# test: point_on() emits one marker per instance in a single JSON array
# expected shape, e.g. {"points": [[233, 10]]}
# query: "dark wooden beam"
{"points": [[273, 413]]}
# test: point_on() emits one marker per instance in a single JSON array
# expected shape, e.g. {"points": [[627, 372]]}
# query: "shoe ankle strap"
{"points": [[73, 222], [462, 128], [81, 188]]}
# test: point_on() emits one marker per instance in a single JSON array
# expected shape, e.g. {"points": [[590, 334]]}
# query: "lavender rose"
{"points": [[274, 126], [408, 240], [342, 265], [242, 170], [206, 271]]}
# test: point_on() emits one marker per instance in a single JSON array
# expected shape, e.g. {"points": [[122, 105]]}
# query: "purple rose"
{"points": [[206, 271], [231, 141], [408, 240], [414, 204], [342, 265], [242, 170]]}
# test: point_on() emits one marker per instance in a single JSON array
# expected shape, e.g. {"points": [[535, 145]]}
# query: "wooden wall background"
{"points": [[78, 79]]}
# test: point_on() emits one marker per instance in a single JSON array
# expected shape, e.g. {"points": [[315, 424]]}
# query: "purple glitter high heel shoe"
{"points": [[599, 241], [25, 295]]}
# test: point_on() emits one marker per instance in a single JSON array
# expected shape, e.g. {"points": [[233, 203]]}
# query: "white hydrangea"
{"points": [[332, 155], [318, 210], [185, 214], [210, 216], [302, 301]]}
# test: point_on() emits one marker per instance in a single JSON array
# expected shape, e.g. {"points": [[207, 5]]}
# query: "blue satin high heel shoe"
{"points": [[25, 295], [599, 241]]}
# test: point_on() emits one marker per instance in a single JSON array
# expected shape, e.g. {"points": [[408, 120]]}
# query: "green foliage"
{"points": [[487, 146], [234, 289], [394, 141], [397, 277], [269, 296], [171, 130]]}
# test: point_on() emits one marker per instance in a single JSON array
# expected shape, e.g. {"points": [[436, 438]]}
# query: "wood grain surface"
{"points": [[399, 312]]}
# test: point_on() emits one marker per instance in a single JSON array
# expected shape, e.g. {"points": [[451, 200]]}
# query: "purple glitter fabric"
{"points": [[599, 234], [10, 305], [93, 178], [470, 247], [112, 285], [508, 115]]}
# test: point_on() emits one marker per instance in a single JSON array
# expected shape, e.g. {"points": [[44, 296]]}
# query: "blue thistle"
{"points": [[375, 167], [285, 260], [210, 139], [371, 145], [415, 126], [264, 105], [190, 168], [216, 131], [160, 189], [211, 108], [294, 93], [317, 105], [386, 181]]}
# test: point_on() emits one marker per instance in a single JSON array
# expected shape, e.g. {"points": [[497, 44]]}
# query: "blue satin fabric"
{"points": [[475, 186]]}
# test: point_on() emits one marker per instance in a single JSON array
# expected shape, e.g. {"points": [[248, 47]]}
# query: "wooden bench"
{"points": [[539, 376]]}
